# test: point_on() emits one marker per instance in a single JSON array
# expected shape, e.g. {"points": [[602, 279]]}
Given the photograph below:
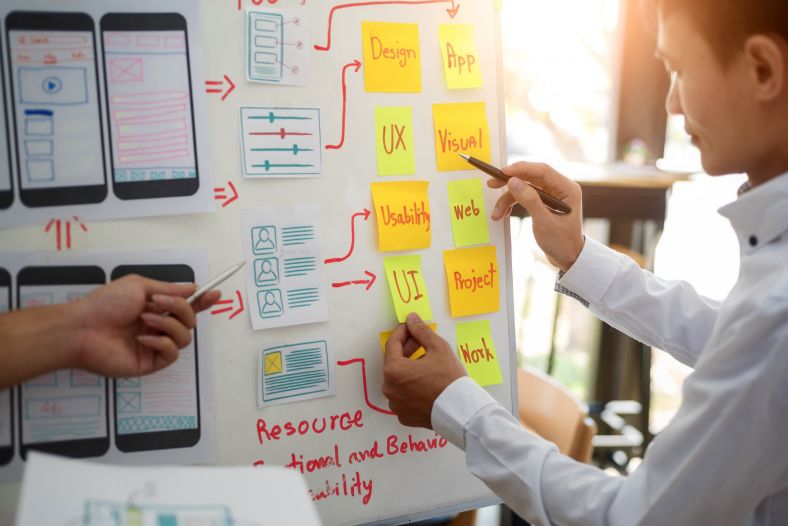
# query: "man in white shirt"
{"points": [[722, 460]]}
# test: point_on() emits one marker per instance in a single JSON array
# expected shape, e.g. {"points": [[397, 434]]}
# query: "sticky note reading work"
{"points": [[392, 60], [460, 128], [403, 213], [477, 352], [460, 60], [473, 280], [468, 216], [407, 287], [418, 353], [394, 138]]}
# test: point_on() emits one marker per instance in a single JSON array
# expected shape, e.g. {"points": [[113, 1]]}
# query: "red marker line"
{"points": [[364, 381], [241, 302], [341, 284], [68, 234], [49, 226], [357, 65], [281, 133], [219, 311], [214, 82], [213, 90], [365, 215]]}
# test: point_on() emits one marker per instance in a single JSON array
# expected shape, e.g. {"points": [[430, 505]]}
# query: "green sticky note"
{"points": [[394, 139], [477, 352], [468, 216], [406, 283]]}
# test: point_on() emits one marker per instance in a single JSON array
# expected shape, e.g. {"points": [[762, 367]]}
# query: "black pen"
{"points": [[553, 203]]}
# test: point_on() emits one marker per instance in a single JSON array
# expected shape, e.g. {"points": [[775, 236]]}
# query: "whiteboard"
{"points": [[404, 486]]}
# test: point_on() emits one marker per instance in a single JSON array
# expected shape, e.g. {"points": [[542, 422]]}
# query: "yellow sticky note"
{"points": [[418, 353], [460, 128], [473, 280], [406, 283], [460, 59], [477, 352], [392, 60], [394, 138], [273, 363], [403, 213], [468, 215]]}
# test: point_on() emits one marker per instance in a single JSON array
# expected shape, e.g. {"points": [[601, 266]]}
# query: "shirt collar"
{"points": [[760, 214]]}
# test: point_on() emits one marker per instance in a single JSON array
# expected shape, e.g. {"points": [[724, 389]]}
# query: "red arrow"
{"points": [[343, 363], [63, 231], [219, 194], [217, 86], [452, 11], [365, 215], [230, 302], [367, 282], [357, 65]]}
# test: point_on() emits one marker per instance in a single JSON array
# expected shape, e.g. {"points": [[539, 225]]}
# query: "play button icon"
{"points": [[52, 85]]}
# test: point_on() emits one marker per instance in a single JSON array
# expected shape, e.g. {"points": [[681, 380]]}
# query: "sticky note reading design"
{"points": [[406, 284], [460, 60], [403, 213], [460, 128], [392, 61], [477, 352], [468, 216], [394, 138], [473, 280], [300, 371], [418, 353]]}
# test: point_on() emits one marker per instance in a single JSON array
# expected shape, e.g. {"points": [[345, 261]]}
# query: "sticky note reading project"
{"points": [[473, 280], [468, 216], [394, 138], [392, 60], [406, 283], [403, 213], [477, 352], [384, 337], [460, 128], [460, 60]]}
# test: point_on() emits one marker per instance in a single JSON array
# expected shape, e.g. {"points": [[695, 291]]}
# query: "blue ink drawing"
{"points": [[263, 240], [295, 371], [266, 272], [269, 303]]}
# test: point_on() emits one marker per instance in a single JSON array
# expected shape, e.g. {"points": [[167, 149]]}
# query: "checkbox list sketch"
{"points": [[277, 47]]}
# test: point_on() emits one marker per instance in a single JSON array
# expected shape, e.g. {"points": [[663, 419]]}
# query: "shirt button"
{"points": [[753, 241]]}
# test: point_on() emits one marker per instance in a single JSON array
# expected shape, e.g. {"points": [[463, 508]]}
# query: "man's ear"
{"points": [[767, 60]]}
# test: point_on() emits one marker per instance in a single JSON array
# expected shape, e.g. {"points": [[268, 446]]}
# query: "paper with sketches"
{"points": [[407, 287], [402, 209], [468, 214], [473, 280], [277, 46], [392, 59], [418, 353], [460, 127], [477, 352], [394, 138], [294, 372], [460, 59]]}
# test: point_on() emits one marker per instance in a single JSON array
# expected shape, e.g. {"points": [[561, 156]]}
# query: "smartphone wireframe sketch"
{"points": [[6, 395], [6, 180]]}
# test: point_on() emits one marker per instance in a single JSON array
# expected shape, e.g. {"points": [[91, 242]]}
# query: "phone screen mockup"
{"points": [[6, 395], [6, 181]]}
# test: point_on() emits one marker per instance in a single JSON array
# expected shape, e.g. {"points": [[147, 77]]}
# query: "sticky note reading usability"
{"points": [[460, 127], [477, 352], [460, 60], [392, 60], [406, 284], [403, 213], [418, 353], [468, 216], [394, 138], [473, 280]]}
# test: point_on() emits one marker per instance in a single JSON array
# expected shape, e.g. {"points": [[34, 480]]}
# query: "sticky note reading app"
{"points": [[460, 127], [473, 280], [468, 215], [392, 60], [407, 287], [403, 213], [460, 60], [477, 352], [418, 353], [394, 138]]}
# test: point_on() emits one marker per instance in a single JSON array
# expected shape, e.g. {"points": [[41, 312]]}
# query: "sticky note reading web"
{"points": [[477, 352], [407, 287], [468, 215], [394, 138], [418, 353], [473, 280], [460, 127], [460, 59], [403, 213], [392, 60]]}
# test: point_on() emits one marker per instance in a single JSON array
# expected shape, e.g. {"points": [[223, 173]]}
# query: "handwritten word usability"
{"points": [[392, 61], [403, 212], [460, 128]]}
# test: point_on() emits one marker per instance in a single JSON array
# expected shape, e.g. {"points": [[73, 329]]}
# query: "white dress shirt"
{"points": [[723, 460]]}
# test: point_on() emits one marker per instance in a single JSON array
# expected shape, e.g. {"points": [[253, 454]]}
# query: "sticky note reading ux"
{"points": [[460, 128], [460, 60], [473, 280], [392, 61], [468, 216], [394, 138], [403, 213], [477, 352], [406, 284], [418, 353]]}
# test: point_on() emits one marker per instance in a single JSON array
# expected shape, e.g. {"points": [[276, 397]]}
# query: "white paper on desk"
{"points": [[108, 495]]}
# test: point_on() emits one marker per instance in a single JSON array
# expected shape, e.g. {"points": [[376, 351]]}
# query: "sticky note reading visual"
{"points": [[394, 138], [392, 60], [403, 213], [460, 128], [473, 280], [468, 216], [477, 352], [418, 353], [406, 283], [460, 59]]}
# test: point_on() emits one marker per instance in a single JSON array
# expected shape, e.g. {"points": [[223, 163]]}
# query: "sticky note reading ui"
{"points": [[418, 353], [473, 280], [477, 352], [460, 59], [392, 60], [468, 216], [394, 138], [403, 213], [460, 128], [406, 284]]}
